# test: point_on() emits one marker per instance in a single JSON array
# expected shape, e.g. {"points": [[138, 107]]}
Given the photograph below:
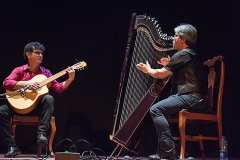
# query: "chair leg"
{"points": [[39, 151], [40, 147], [52, 134], [202, 149], [182, 126], [201, 142], [13, 128]]}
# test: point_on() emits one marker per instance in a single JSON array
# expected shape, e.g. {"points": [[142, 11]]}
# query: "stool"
{"points": [[35, 121]]}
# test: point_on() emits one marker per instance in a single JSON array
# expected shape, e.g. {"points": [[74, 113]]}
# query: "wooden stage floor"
{"points": [[33, 157]]}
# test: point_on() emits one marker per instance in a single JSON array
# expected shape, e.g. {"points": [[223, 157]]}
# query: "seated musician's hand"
{"points": [[143, 67], [34, 86], [71, 73], [164, 61]]}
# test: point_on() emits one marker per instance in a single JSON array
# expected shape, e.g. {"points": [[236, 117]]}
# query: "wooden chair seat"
{"points": [[35, 121]]}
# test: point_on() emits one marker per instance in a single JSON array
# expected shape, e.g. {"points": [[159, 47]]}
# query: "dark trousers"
{"points": [[170, 106], [44, 109]]}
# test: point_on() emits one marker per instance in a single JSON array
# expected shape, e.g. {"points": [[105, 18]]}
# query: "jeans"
{"points": [[44, 109], [169, 106]]}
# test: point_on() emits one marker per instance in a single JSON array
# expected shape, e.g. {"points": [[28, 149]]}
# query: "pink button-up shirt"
{"points": [[23, 73]]}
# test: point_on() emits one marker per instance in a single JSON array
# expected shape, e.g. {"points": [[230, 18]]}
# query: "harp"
{"points": [[138, 91]]}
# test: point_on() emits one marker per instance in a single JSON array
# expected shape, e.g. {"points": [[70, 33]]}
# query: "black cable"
{"points": [[83, 140], [90, 154], [60, 143], [101, 151], [57, 146], [86, 155]]}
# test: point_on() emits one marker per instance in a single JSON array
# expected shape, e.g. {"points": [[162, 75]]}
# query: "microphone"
{"points": [[23, 90]]}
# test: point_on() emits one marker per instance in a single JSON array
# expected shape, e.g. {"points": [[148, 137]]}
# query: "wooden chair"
{"points": [[214, 114], [35, 120]]}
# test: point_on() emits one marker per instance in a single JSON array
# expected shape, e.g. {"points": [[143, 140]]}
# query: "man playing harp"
{"points": [[188, 89]]}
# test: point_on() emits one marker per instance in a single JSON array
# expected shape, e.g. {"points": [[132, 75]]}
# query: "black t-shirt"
{"points": [[188, 72], [178, 60]]}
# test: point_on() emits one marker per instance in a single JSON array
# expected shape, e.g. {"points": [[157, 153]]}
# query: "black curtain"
{"points": [[96, 32]]}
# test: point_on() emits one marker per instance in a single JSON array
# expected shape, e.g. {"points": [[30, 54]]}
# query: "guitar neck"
{"points": [[79, 65], [53, 77]]}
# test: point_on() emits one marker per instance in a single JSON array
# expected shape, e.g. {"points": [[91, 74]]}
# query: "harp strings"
{"points": [[138, 82]]}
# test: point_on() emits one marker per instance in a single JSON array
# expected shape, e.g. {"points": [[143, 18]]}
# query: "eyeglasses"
{"points": [[37, 53], [176, 35]]}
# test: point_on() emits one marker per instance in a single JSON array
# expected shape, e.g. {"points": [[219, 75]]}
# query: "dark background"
{"points": [[96, 32]]}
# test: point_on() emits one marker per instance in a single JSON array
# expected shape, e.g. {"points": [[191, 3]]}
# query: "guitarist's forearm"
{"points": [[20, 84], [67, 83]]}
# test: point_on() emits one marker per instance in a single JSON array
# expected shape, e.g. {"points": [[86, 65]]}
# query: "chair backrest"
{"points": [[216, 83]]}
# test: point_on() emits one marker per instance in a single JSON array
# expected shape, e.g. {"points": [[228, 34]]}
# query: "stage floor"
{"points": [[33, 157]]}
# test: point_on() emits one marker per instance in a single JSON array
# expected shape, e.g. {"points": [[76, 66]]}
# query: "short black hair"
{"points": [[30, 47]]}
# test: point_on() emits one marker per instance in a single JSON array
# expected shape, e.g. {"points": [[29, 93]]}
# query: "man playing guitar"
{"points": [[21, 78]]}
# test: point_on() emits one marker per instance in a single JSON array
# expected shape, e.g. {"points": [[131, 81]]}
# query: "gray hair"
{"points": [[188, 32]]}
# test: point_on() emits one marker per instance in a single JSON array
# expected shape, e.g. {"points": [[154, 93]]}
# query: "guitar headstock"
{"points": [[79, 65]]}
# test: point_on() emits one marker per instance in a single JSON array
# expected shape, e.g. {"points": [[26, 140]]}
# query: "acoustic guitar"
{"points": [[24, 100]]}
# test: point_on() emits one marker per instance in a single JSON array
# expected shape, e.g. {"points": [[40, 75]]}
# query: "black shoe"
{"points": [[172, 155], [41, 139], [154, 157], [13, 152]]}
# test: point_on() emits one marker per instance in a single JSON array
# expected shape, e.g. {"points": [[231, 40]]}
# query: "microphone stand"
{"points": [[21, 91]]}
